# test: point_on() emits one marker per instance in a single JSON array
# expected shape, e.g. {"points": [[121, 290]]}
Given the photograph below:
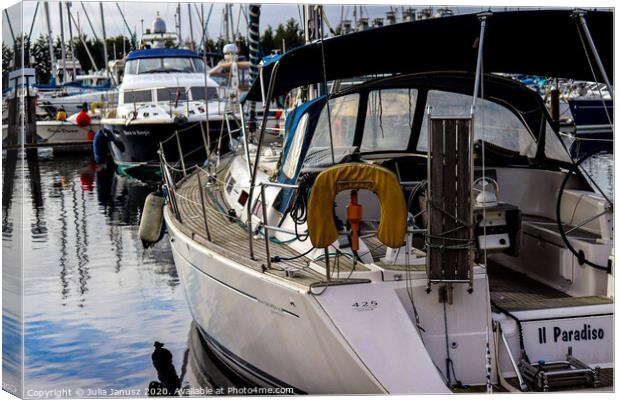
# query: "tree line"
{"points": [[283, 37]]}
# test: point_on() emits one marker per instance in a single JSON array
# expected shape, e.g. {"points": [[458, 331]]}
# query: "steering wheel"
{"points": [[563, 233]]}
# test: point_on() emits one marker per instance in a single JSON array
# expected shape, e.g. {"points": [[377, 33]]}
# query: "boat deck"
{"points": [[230, 237], [510, 290], [514, 291]]}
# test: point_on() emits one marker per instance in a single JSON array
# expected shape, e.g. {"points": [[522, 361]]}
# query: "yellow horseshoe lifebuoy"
{"points": [[381, 181], [95, 105]]}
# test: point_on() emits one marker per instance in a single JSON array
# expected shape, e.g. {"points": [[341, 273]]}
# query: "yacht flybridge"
{"points": [[424, 231]]}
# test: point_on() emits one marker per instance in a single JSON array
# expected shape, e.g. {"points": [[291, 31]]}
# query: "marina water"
{"points": [[94, 301]]}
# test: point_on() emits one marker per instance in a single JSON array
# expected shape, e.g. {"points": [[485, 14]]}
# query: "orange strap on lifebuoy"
{"points": [[354, 216]]}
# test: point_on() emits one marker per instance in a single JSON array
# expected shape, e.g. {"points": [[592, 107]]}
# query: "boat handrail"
{"points": [[280, 185], [500, 332]]}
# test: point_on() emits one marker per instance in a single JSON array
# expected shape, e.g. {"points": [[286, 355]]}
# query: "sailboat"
{"points": [[422, 231]]}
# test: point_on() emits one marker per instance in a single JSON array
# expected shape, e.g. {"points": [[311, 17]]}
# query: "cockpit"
{"points": [[385, 122]]}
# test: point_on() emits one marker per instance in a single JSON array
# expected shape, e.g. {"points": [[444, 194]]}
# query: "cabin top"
{"points": [[161, 53]]}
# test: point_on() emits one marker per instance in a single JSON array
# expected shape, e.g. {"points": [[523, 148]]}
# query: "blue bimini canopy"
{"points": [[544, 43], [161, 53]]}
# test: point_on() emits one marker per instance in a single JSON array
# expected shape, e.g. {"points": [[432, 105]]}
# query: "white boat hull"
{"points": [[63, 132], [74, 103], [275, 333], [59, 134]]}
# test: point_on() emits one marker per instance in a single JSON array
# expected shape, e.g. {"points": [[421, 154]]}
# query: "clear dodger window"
{"points": [[343, 111], [501, 126], [292, 158], [389, 117]]}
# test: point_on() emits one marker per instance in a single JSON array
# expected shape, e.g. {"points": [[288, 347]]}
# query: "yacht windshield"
{"points": [[163, 65], [198, 93], [343, 113], [389, 118], [494, 123]]}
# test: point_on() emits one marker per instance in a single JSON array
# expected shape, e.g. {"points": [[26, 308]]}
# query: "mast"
{"points": [[34, 19], [312, 21], [49, 41], [203, 24], [132, 35], [90, 23], [226, 27], [105, 45], [191, 28], [71, 49], [63, 54], [90, 56], [232, 25], [254, 40], [180, 32]]}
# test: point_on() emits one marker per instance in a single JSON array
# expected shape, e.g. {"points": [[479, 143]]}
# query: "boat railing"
{"points": [[170, 171], [266, 227], [175, 174]]}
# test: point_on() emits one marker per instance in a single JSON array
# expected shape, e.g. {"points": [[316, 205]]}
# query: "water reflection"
{"points": [[600, 167], [12, 166], [197, 373], [38, 226], [94, 301], [9, 166], [168, 382]]}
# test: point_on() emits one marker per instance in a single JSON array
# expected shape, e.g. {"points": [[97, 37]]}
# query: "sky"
{"points": [[271, 14], [134, 12]]}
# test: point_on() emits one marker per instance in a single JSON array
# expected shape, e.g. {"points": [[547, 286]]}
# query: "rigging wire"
{"points": [[380, 106], [585, 49], [327, 106], [449, 363], [488, 360], [487, 355]]}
